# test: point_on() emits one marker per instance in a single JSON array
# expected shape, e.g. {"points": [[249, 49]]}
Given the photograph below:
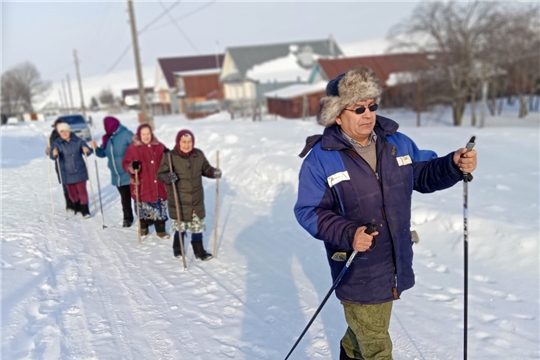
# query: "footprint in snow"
{"points": [[437, 267], [502, 187], [481, 278], [438, 297]]}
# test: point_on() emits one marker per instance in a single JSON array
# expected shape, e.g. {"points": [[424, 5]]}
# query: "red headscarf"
{"points": [[142, 126]]}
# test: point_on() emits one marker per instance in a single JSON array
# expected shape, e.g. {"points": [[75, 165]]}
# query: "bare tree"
{"points": [[456, 33], [21, 86], [106, 97]]}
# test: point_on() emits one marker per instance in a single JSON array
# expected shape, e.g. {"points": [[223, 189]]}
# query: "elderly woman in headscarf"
{"points": [[143, 157], [114, 144], [70, 151], [189, 165], [55, 135]]}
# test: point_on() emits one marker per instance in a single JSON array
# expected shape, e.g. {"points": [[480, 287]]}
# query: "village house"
{"points": [[251, 71], [169, 88]]}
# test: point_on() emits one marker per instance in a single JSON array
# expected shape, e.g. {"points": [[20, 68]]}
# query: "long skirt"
{"points": [[154, 211]]}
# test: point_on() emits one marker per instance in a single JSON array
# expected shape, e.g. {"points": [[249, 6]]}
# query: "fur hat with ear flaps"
{"points": [[355, 85]]}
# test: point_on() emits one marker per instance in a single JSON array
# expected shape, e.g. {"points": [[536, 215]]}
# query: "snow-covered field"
{"points": [[73, 290]]}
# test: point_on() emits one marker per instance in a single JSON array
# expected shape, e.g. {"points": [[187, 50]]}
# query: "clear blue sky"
{"points": [[45, 33]]}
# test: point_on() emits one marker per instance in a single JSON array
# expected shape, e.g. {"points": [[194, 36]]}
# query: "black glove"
{"points": [[217, 173], [136, 165], [172, 177]]}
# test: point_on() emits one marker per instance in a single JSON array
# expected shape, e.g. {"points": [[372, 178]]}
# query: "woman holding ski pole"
{"points": [[185, 171], [114, 145], [69, 150], [55, 135], [142, 158]]}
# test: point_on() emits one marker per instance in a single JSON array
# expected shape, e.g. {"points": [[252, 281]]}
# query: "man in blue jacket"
{"points": [[361, 171]]}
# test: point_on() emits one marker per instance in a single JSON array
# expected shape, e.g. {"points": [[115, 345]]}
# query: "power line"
{"points": [[126, 50], [180, 30], [205, 5]]}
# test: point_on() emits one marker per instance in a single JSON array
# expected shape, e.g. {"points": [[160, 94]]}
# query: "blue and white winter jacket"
{"points": [[71, 159], [339, 192], [114, 151]]}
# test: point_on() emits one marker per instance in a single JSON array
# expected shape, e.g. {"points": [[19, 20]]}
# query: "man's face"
{"points": [[358, 126], [186, 144]]}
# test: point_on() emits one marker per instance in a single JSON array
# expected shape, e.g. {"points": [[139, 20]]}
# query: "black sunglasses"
{"points": [[362, 109]]}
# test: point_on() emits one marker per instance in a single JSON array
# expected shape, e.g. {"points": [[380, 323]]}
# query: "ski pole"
{"points": [[98, 187], [137, 202], [177, 212], [50, 180], [61, 179], [466, 178], [216, 212], [90, 181], [370, 229]]}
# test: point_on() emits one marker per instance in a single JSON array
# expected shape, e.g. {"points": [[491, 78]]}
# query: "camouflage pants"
{"points": [[367, 336]]}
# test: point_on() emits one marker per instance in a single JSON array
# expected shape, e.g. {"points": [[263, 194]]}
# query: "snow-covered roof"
{"points": [[281, 69], [197, 72], [293, 91]]}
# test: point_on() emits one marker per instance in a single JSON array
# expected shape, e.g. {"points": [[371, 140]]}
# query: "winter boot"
{"points": [[198, 248], [127, 222], [176, 244], [144, 227], [69, 204], [160, 230], [85, 211], [77, 207]]}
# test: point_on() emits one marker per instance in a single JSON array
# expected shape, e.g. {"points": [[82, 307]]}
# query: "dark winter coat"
{"points": [[339, 192], [71, 158], [190, 169], [150, 157], [114, 150]]}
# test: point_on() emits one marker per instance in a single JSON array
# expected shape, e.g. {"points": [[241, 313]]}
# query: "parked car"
{"points": [[78, 125]]}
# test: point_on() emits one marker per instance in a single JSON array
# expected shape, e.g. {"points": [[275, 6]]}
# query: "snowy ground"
{"points": [[72, 290]]}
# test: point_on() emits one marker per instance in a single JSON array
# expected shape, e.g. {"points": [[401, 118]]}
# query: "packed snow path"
{"points": [[72, 290]]}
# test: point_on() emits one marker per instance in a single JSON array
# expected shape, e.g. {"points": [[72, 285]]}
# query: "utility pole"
{"points": [[83, 108], [61, 101], [140, 81], [64, 94], [70, 94]]}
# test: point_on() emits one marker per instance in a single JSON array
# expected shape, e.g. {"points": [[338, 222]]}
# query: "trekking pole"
{"points": [[99, 194], [177, 213], [137, 203], [90, 181], [50, 180], [99, 189], [466, 179], [216, 212], [370, 229], [61, 179]]}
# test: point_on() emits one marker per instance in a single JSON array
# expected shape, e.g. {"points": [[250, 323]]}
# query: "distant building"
{"points": [[130, 99], [251, 71], [296, 101], [166, 85], [397, 72], [200, 93]]}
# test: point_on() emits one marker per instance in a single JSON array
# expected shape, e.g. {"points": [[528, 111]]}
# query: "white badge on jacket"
{"points": [[404, 160], [337, 178]]}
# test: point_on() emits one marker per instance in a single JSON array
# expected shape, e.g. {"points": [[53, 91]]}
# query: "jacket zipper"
{"points": [[114, 163]]}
